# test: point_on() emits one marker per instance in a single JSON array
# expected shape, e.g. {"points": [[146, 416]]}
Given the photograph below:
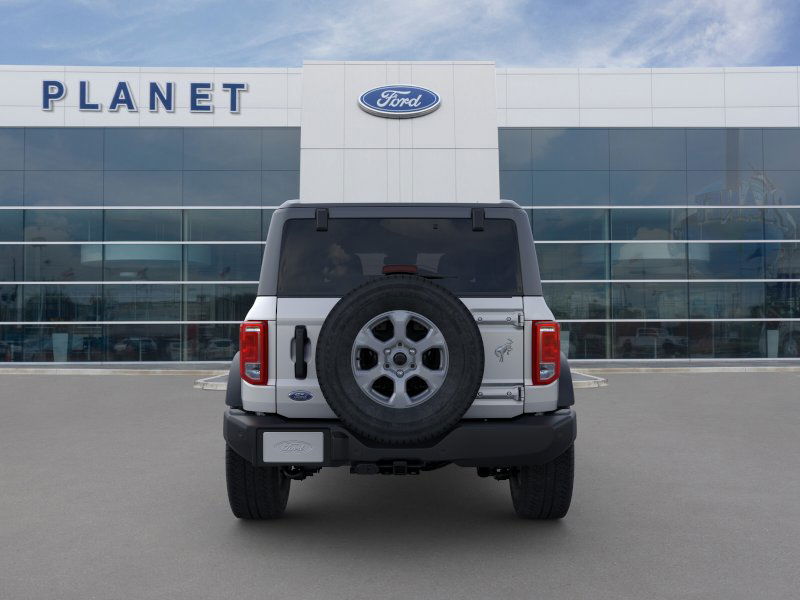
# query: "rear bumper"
{"points": [[525, 440]]}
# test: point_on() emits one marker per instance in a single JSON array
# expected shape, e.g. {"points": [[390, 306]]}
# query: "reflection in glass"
{"points": [[236, 262], [562, 188], [783, 299], [720, 339], [570, 225], [142, 302], [279, 186], [783, 340], [63, 148], [62, 303], [280, 148], [570, 149], [517, 186], [11, 263], [143, 148], [10, 226], [142, 225], [514, 149], [648, 187], [222, 148], [219, 302], [637, 300], [62, 343], [782, 260], [724, 149], [648, 261], [211, 342], [63, 262], [143, 342], [222, 225], [142, 188], [782, 148], [726, 261], [214, 188], [12, 148], [146, 262], [648, 149], [726, 224], [648, 224], [11, 188], [63, 225], [10, 304], [650, 339], [733, 188], [577, 300], [573, 261], [726, 300], [584, 340]]}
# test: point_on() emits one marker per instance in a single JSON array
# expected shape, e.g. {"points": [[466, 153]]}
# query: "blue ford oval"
{"points": [[399, 101]]}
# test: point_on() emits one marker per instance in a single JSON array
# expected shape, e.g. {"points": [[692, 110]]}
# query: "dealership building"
{"points": [[134, 202]]}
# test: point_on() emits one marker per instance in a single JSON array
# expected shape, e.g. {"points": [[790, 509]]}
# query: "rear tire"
{"points": [[544, 491], [255, 492]]}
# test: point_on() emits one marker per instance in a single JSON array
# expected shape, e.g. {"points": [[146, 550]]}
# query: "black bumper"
{"points": [[525, 440]]}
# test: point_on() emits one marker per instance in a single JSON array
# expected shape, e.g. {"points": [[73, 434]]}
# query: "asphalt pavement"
{"points": [[687, 486]]}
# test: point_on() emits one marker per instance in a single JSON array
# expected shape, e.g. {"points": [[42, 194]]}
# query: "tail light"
{"points": [[253, 352], [546, 352]]}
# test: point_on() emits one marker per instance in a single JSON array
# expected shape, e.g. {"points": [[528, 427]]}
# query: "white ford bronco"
{"points": [[396, 339]]}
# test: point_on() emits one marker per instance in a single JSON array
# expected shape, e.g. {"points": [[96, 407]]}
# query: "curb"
{"points": [[696, 370], [57, 371]]}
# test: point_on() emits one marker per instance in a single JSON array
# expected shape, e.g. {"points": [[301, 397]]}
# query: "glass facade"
{"points": [[144, 244], [135, 244], [664, 243]]}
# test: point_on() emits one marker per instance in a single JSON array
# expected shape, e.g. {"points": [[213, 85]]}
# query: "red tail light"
{"points": [[253, 352], [546, 352]]}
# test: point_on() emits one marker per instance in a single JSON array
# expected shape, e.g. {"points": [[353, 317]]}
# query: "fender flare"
{"points": [[566, 393], [233, 393]]}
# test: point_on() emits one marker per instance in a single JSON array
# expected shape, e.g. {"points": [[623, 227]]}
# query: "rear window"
{"points": [[352, 251]]}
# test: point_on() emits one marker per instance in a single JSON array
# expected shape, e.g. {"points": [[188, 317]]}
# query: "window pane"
{"points": [[783, 261], [724, 149], [211, 342], [63, 225], [10, 307], [10, 226], [266, 217], [142, 225], [63, 149], [782, 148], [222, 225], [61, 303], [11, 263], [577, 300], [573, 261], [11, 188], [12, 148], [280, 147], [65, 188], [571, 187], [584, 340], [726, 261], [726, 300], [648, 261], [731, 188], [727, 340], [649, 300], [784, 341], [142, 302], [514, 147], [517, 186], [570, 224], [62, 343], [222, 148], [219, 302], [783, 299], [650, 339], [154, 262], [279, 186], [143, 188], [63, 262], [11, 338], [648, 224], [783, 187], [726, 224], [570, 149], [143, 148], [648, 149], [648, 187], [237, 262], [221, 188], [143, 342]]}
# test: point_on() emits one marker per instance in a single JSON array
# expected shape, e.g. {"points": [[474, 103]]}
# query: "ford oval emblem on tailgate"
{"points": [[300, 395]]}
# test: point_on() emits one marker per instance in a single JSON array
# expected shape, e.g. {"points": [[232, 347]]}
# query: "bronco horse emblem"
{"points": [[504, 350]]}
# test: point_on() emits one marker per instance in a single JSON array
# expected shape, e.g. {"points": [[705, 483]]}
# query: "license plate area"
{"points": [[293, 447]]}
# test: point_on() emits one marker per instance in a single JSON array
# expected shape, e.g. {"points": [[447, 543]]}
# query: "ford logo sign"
{"points": [[300, 395], [399, 101], [293, 446]]}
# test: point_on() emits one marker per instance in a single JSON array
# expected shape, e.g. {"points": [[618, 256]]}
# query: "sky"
{"points": [[580, 33]]}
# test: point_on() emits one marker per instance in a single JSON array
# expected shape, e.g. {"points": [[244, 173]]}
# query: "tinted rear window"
{"points": [[352, 251]]}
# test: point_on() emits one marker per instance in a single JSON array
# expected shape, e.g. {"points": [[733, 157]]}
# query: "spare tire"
{"points": [[400, 360]]}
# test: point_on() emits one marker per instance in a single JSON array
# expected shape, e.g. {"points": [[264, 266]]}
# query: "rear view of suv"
{"points": [[397, 339]]}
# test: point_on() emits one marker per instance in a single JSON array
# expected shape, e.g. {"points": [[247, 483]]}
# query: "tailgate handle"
{"points": [[300, 339]]}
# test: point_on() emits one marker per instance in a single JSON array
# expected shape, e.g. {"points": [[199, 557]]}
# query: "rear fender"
{"points": [[566, 393], [233, 394]]}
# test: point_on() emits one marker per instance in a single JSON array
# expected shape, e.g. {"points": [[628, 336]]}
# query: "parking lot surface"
{"points": [[687, 486]]}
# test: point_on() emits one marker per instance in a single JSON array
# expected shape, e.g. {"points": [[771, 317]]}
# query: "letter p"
{"points": [[51, 91]]}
